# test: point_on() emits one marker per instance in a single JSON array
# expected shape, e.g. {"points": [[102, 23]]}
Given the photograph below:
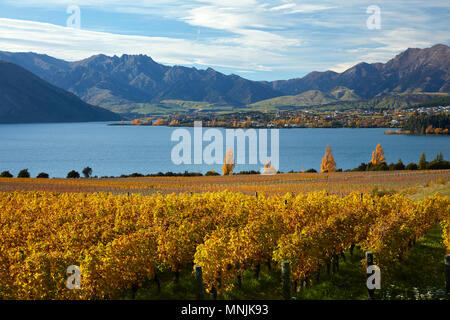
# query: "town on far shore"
{"points": [[302, 118]]}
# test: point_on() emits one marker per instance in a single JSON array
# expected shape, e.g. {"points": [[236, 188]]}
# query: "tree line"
{"points": [[428, 124], [87, 173], [377, 163]]}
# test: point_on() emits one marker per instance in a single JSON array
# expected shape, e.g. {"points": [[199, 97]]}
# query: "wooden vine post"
{"points": [[286, 279], [447, 273], [199, 291]]}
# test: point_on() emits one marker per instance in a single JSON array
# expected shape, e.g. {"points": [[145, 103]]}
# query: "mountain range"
{"points": [[103, 80], [26, 98], [414, 70], [132, 80]]}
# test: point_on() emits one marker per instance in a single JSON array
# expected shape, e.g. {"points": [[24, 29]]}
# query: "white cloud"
{"points": [[261, 36], [223, 18], [73, 44], [283, 7], [309, 8]]}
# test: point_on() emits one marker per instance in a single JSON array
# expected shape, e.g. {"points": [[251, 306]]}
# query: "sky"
{"points": [[256, 39]]}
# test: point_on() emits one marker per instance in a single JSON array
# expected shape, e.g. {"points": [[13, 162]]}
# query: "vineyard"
{"points": [[341, 183], [121, 241]]}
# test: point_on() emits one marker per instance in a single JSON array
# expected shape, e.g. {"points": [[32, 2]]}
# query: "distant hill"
{"points": [[393, 101], [25, 98], [137, 82], [310, 98]]}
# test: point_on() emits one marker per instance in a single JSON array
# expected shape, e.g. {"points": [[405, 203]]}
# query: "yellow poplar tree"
{"points": [[228, 165], [378, 155], [328, 163], [269, 168]]}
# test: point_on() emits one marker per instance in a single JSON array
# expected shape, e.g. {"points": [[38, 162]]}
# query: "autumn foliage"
{"points": [[269, 169], [378, 156], [328, 163], [160, 122], [121, 241], [137, 122], [228, 165], [446, 232]]}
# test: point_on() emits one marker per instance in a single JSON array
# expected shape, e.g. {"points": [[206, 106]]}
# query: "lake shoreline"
{"points": [[226, 127], [57, 149], [407, 133]]}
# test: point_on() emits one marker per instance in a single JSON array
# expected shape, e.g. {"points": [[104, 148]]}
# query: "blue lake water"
{"points": [[114, 150]]}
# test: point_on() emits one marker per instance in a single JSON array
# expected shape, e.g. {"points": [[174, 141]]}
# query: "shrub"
{"points": [[399, 165], [362, 167], [439, 163], [6, 174], [412, 166], [87, 172], [377, 167], [42, 175], [249, 172], [23, 174], [136, 175], [192, 174], [312, 171], [73, 175], [212, 173]]}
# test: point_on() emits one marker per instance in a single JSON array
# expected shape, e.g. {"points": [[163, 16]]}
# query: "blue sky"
{"points": [[256, 39]]}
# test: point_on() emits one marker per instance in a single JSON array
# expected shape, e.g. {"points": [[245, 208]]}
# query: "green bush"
{"points": [[23, 174], [6, 174], [73, 175], [42, 175], [247, 172], [412, 166], [399, 165], [378, 167]]}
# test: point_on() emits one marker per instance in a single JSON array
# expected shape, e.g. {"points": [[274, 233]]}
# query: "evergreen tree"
{"points": [[423, 162], [399, 165]]}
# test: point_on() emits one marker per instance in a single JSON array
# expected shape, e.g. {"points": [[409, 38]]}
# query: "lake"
{"points": [[114, 150]]}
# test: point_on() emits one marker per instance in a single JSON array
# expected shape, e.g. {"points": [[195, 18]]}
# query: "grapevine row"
{"points": [[119, 241]]}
